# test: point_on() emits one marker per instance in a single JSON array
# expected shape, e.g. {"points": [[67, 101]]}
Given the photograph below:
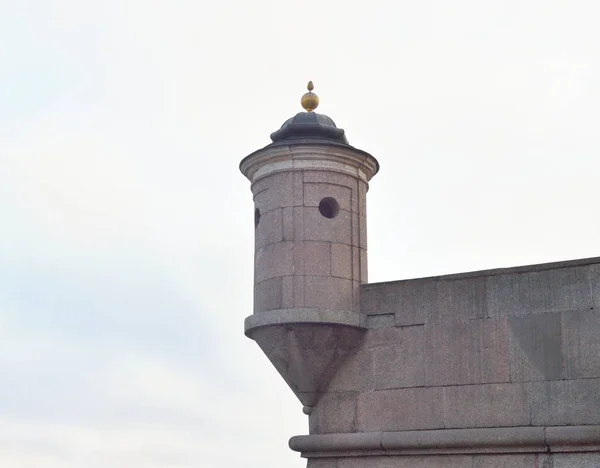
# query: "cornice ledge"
{"points": [[450, 441], [269, 160], [303, 315]]}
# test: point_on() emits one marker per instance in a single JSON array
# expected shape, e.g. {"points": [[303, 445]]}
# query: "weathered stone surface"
{"points": [[299, 291], [287, 292], [364, 267], [466, 352], [341, 261], [535, 347], [452, 461], [322, 463], [312, 258], [314, 193], [298, 189], [417, 301], [268, 295], [539, 291], [385, 298], [319, 228], [288, 224], [391, 336], [327, 177], [381, 321], [402, 363], [492, 405], [573, 438], [457, 299], [274, 260], [575, 460], [565, 402], [363, 187], [505, 461], [298, 220], [326, 292], [334, 412], [581, 343], [269, 229], [362, 231], [274, 191], [400, 409], [356, 374], [595, 284], [307, 355]]}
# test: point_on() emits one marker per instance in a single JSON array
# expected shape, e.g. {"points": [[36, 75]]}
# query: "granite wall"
{"points": [[489, 369]]}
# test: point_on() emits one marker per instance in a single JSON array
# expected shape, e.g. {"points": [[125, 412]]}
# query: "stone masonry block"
{"points": [[381, 321], [364, 267], [448, 461], [359, 231], [565, 402], [575, 460], [491, 405], [581, 343], [595, 282], [401, 364], [312, 258], [356, 374], [324, 292], [362, 230], [384, 298], [274, 191], [274, 260], [528, 460], [466, 352], [267, 295], [319, 228], [314, 193], [341, 261], [298, 223], [335, 412], [400, 409], [287, 292], [288, 224], [298, 291], [321, 463], [539, 291], [328, 177], [269, 229], [298, 188], [391, 336], [362, 198], [459, 299], [535, 347]]}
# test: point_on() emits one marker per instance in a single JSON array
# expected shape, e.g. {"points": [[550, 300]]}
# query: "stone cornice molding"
{"points": [[313, 156], [306, 316], [450, 441]]}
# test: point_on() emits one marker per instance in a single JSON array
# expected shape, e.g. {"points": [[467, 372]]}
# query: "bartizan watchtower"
{"points": [[487, 369]]}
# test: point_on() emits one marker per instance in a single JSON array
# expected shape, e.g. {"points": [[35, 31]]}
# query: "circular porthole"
{"points": [[329, 207], [256, 217]]}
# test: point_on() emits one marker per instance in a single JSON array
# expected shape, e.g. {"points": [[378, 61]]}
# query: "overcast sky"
{"points": [[126, 228]]}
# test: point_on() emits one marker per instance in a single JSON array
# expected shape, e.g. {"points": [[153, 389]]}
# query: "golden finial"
{"points": [[310, 101]]}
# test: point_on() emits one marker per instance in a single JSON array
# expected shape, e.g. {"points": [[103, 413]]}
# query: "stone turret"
{"points": [[309, 188]]}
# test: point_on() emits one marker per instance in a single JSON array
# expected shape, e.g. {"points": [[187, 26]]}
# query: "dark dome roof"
{"points": [[308, 126]]}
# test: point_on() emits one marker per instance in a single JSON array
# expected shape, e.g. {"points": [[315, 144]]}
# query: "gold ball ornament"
{"points": [[310, 101]]}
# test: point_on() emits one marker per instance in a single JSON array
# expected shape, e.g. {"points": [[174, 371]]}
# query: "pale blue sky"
{"points": [[126, 229]]}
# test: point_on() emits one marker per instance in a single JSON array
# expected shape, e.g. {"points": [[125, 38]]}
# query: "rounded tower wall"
{"points": [[310, 229]]}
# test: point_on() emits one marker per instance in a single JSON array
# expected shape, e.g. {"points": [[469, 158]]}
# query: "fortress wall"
{"points": [[504, 348]]}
